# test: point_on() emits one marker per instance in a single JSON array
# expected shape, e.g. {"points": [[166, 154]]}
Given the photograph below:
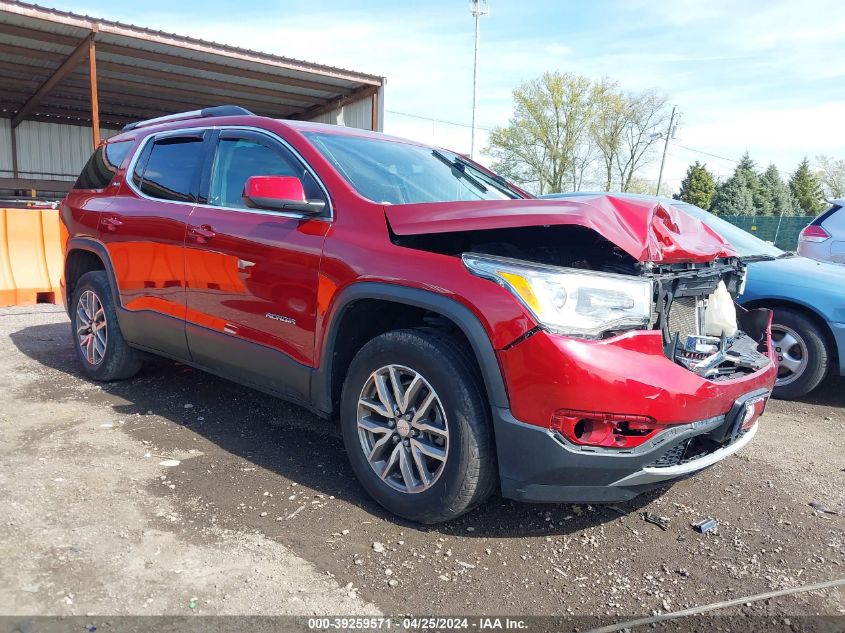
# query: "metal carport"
{"points": [[61, 72]]}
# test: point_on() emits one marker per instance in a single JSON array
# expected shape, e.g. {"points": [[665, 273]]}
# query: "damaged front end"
{"points": [[703, 328], [597, 268], [692, 305]]}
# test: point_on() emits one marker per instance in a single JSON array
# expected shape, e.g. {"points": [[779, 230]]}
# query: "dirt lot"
{"points": [[262, 514]]}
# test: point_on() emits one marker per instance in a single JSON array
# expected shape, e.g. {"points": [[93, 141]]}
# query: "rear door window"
{"points": [[169, 169], [103, 165]]}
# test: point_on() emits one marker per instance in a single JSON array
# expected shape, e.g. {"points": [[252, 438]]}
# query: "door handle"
{"points": [[111, 223], [201, 233]]}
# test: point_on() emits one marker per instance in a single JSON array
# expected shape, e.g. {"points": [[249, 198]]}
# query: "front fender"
{"points": [[321, 389]]}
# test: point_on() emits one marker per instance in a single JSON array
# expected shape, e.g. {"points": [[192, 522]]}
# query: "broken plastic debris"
{"points": [[820, 507], [705, 526], [169, 462], [661, 522]]}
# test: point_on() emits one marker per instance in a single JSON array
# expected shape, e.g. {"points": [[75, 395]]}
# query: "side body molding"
{"points": [[321, 387]]}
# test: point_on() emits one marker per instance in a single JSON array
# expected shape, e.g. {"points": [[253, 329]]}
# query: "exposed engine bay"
{"points": [[703, 328], [693, 305]]}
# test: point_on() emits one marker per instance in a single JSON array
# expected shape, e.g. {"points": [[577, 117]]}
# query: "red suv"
{"points": [[468, 336]]}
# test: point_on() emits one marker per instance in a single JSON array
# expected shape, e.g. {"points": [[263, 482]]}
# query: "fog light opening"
{"points": [[607, 430]]}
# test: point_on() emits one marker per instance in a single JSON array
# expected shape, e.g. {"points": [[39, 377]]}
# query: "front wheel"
{"points": [[416, 426], [801, 353]]}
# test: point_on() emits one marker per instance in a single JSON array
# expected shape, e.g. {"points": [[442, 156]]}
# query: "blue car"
{"points": [[806, 296]]}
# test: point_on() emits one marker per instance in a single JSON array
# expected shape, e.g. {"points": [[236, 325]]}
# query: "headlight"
{"points": [[570, 301]]}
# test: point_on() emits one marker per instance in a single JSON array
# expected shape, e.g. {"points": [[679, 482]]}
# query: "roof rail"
{"points": [[221, 110]]}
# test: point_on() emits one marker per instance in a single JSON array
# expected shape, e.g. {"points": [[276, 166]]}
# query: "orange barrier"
{"points": [[30, 257]]}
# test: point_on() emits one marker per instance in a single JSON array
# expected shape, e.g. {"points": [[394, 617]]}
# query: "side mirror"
{"points": [[279, 193]]}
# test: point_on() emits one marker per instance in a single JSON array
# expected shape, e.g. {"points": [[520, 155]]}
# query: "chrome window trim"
{"points": [[130, 170]]}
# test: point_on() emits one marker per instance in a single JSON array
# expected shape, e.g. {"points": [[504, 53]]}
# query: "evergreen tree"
{"points": [[806, 190], [739, 194], [775, 192], [698, 186], [762, 205]]}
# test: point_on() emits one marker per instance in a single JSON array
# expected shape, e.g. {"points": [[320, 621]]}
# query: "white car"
{"points": [[823, 239]]}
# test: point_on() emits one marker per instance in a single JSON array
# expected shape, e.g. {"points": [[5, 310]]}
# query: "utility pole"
{"points": [[477, 8], [665, 147]]}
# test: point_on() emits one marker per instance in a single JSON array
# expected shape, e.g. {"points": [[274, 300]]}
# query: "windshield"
{"points": [[392, 172], [745, 244]]}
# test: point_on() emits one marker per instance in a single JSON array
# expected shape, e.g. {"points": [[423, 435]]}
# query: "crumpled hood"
{"points": [[646, 230]]}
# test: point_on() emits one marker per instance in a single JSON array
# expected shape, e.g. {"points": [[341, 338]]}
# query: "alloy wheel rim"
{"points": [[91, 332], [402, 429], [791, 350]]}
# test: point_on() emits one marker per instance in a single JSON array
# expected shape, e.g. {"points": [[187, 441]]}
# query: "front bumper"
{"points": [[539, 465], [628, 374]]}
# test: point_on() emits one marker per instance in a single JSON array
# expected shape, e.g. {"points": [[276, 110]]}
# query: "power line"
{"points": [[732, 160], [699, 151], [436, 120], [488, 129]]}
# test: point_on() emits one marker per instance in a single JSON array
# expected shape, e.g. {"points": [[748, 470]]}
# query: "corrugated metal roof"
{"points": [[144, 73], [66, 20]]}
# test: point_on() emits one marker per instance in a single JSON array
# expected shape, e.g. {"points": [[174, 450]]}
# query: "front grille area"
{"points": [[672, 457], [688, 451], [683, 318]]}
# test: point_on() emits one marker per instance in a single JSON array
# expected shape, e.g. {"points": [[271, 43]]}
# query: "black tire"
{"points": [[119, 361], [818, 357], [468, 475]]}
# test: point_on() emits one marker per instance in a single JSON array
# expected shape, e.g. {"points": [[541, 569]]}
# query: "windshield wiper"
{"points": [[758, 257], [459, 169], [504, 185]]}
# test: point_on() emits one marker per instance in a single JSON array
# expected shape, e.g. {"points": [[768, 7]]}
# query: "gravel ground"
{"points": [[263, 515]]}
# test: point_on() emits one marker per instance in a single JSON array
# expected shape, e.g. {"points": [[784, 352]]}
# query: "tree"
{"points": [[645, 114], [762, 204], [698, 186], [831, 174], [544, 143], [740, 193], [775, 192], [734, 196], [607, 129], [806, 190], [565, 127]]}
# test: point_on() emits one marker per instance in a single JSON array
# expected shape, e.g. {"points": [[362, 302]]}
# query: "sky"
{"points": [[767, 77]]}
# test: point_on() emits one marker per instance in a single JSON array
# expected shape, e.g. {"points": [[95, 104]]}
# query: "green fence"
{"points": [[766, 227]]}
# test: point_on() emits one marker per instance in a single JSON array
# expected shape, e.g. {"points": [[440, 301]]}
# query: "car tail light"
{"points": [[610, 430], [813, 233]]}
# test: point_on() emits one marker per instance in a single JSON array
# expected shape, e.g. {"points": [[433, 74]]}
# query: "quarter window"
{"points": [[238, 158], [169, 170], [103, 165]]}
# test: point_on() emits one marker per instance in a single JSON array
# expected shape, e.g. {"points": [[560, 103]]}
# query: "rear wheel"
{"points": [[98, 341], [416, 426], [801, 352]]}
